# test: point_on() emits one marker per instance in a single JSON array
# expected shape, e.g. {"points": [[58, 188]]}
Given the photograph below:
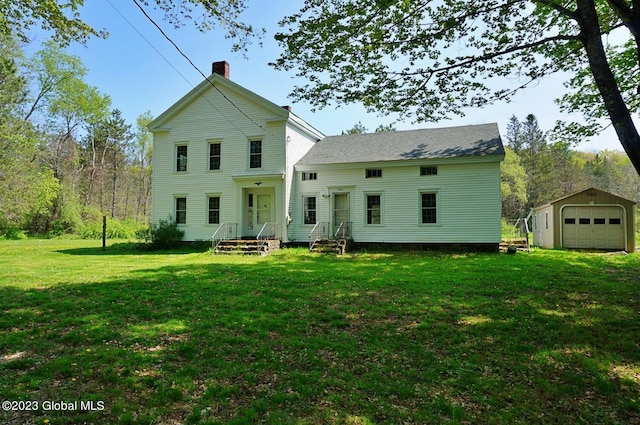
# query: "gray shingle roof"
{"points": [[448, 142]]}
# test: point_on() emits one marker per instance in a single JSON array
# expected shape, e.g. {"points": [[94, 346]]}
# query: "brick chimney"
{"points": [[221, 68]]}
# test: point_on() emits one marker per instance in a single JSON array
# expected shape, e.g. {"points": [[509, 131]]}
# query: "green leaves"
{"points": [[420, 59]]}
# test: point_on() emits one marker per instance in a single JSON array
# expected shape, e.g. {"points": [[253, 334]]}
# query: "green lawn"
{"points": [[299, 338]]}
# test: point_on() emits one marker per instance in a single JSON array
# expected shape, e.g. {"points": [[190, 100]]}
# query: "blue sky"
{"points": [[142, 71]]}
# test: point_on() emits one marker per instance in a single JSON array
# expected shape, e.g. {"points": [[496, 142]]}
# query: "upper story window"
{"points": [[309, 176], [215, 156], [428, 171], [255, 154], [181, 158], [372, 172]]}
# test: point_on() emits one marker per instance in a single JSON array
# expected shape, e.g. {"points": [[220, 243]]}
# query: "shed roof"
{"points": [[446, 142]]}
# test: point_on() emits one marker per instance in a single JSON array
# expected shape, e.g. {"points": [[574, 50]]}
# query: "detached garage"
{"points": [[591, 219]]}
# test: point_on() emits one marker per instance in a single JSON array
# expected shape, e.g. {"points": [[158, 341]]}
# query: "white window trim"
{"points": [[255, 139], [175, 209], [309, 195], [206, 206], [438, 208], [382, 209], [208, 155], [175, 157]]}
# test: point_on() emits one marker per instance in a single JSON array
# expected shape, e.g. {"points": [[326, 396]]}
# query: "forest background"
{"points": [[68, 157]]}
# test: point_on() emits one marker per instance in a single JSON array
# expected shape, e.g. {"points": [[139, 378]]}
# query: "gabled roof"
{"points": [[591, 189], [447, 142], [221, 82]]}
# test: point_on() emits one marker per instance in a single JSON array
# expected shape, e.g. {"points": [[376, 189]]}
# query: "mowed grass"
{"points": [[299, 338]]}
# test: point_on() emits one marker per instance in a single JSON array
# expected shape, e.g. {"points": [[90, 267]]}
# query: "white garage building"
{"points": [[591, 219]]}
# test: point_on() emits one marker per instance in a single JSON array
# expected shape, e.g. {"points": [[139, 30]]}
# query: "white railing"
{"points": [[225, 231], [319, 231], [343, 231], [269, 231]]}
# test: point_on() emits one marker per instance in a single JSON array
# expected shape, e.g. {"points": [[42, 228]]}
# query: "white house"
{"points": [[223, 154]]}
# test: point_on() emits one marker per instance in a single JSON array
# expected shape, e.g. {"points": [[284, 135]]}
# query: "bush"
{"points": [[163, 234], [116, 229], [13, 233]]}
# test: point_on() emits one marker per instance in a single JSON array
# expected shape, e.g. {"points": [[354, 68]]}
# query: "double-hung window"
{"points": [[215, 156], [214, 210], [309, 209], [255, 154], [181, 158], [181, 210], [374, 208], [429, 208]]}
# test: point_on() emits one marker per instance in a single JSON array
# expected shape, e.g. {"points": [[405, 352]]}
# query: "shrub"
{"points": [[116, 229], [163, 234]]}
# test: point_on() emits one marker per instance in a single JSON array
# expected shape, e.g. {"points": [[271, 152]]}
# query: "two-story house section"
{"points": [[223, 154]]}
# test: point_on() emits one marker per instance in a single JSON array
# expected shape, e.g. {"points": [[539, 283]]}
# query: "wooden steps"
{"points": [[330, 246], [247, 246], [521, 244]]}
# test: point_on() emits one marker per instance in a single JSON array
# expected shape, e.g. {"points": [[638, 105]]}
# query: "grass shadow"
{"points": [[298, 338]]}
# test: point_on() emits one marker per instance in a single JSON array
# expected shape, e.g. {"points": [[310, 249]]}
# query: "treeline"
{"points": [[67, 157], [537, 170]]}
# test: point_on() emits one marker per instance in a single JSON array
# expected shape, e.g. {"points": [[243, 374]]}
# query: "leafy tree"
{"points": [[404, 56], [108, 145], [537, 160], [358, 128], [141, 168], [64, 21], [385, 128], [65, 105], [513, 185], [26, 188]]}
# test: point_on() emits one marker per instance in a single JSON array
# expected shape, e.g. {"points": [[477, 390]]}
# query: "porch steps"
{"points": [[328, 246], [248, 246], [521, 244]]}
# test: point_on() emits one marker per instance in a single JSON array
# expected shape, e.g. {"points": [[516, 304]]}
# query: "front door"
{"points": [[258, 207], [341, 215]]}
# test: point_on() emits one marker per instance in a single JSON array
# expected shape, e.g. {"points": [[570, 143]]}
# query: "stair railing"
{"points": [[343, 231], [319, 231], [269, 231], [225, 231]]}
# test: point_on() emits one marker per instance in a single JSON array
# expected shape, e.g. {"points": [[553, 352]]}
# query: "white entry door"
{"points": [[341, 213], [258, 207]]}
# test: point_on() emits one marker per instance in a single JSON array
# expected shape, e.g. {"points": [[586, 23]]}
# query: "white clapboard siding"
{"points": [[468, 196], [232, 116]]}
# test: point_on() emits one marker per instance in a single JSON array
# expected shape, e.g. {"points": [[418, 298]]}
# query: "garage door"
{"points": [[598, 227]]}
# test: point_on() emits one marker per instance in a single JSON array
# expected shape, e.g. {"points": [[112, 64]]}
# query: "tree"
{"points": [[513, 185], [26, 187], [63, 19], [142, 163], [107, 147], [359, 128], [64, 105], [404, 56], [537, 159]]}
